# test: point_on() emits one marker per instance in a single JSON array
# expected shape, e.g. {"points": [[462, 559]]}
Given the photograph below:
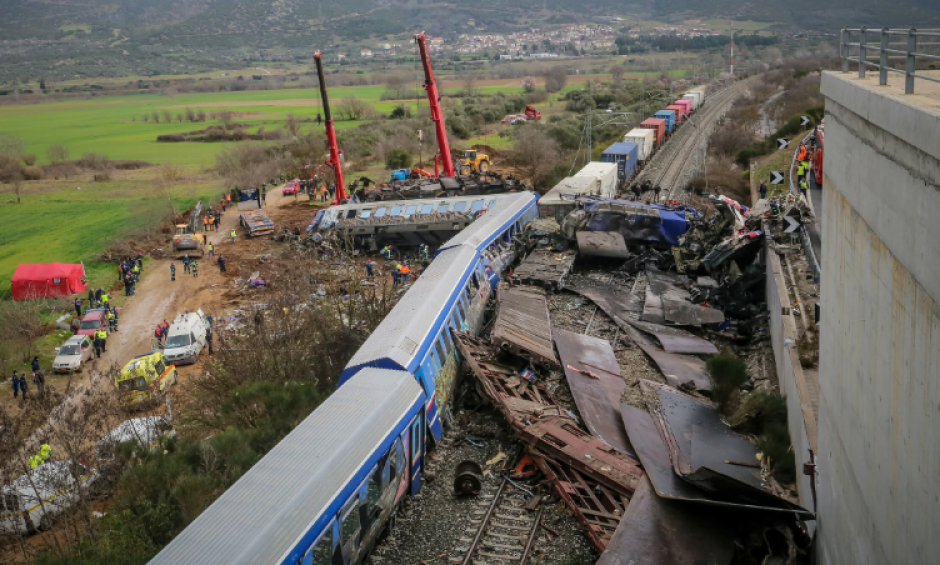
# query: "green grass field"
{"points": [[114, 126], [56, 222]]}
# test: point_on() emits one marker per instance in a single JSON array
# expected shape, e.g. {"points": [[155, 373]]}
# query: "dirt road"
{"points": [[157, 298]]}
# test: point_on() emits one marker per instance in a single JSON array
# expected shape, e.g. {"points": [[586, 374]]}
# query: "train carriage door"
{"points": [[416, 452]]}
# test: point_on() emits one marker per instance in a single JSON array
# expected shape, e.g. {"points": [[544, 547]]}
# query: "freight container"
{"points": [[669, 116], [687, 104], [560, 200], [700, 93], [644, 141], [624, 154], [679, 110], [693, 99], [658, 125], [605, 174]]}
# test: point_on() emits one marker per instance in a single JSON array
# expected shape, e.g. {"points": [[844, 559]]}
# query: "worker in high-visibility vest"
{"points": [[405, 271], [34, 461], [803, 187], [45, 452], [800, 170]]}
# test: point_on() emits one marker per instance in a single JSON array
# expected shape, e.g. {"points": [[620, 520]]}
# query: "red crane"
{"points": [[334, 162], [435, 99]]}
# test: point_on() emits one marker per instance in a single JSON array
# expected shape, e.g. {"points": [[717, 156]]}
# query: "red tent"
{"points": [[47, 280]]}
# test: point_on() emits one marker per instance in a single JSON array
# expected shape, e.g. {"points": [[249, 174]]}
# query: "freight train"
{"points": [[327, 491]]}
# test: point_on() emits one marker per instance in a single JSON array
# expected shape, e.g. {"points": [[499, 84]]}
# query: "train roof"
{"points": [[267, 512], [397, 342], [487, 227]]}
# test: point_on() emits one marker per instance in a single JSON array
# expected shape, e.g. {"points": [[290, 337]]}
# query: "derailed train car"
{"points": [[328, 490]]}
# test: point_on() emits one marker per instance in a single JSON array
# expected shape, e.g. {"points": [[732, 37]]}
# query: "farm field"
{"points": [[114, 126], [57, 222]]}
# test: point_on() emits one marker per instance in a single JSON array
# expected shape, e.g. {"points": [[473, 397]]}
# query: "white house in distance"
{"points": [[365, 52]]}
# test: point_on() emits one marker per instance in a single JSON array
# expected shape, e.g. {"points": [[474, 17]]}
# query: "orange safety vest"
{"points": [[205, 220], [405, 269], [801, 156]]}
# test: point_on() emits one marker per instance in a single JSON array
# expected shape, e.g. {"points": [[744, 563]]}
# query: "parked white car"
{"points": [[72, 355], [31, 501], [186, 338]]}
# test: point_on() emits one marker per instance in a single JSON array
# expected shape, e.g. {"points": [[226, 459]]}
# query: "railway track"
{"points": [[673, 166], [505, 530]]}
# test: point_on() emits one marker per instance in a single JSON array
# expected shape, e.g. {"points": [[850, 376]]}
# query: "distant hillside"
{"points": [[91, 38], [169, 19]]}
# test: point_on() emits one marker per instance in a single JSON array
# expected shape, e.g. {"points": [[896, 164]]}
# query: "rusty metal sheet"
{"points": [[563, 440], [596, 509], [679, 344], [673, 340], [654, 455], [675, 302], [685, 313], [653, 308], [681, 371], [681, 414], [659, 531], [545, 268], [523, 325], [602, 244], [597, 397], [646, 432]]}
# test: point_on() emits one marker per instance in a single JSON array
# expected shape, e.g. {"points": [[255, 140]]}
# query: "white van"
{"points": [[31, 501], [186, 338]]}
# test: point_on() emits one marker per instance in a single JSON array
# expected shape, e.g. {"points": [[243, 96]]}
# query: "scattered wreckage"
{"points": [[416, 186], [664, 480]]}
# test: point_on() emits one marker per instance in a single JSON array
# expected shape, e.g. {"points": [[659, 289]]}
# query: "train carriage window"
{"points": [[350, 525], [476, 280], [374, 492], [322, 553], [439, 348], [365, 213], [416, 442], [460, 206], [396, 211], [380, 213], [476, 206], [443, 208], [394, 462], [448, 344], [427, 209], [410, 210], [460, 308], [490, 204]]}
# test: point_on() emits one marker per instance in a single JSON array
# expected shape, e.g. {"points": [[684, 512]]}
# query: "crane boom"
{"points": [[334, 162], [430, 85]]}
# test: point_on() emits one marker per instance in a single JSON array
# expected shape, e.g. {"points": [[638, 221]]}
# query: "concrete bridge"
{"points": [[878, 479]]}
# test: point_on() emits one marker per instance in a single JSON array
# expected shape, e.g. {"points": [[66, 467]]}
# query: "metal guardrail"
{"points": [[891, 44]]}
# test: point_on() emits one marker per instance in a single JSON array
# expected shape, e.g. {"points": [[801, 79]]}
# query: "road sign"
{"points": [[782, 143], [776, 177], [794, 225], [804, 120]]}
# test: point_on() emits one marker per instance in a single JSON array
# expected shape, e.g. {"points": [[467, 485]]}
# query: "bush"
{"points": [[93, 161], [171, 137], [401, 112], [29, 159], [728, 373], [398, 159], [32, 172]]}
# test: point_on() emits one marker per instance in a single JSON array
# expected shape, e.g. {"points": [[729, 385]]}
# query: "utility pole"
{"points": [[732, 52], [590, 143]]}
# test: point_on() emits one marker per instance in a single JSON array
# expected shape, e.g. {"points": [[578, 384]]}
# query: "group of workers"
{"points": [[20, 384], [45, 453], [212, 219], [129, 271], [161, 331], [401, 272]]}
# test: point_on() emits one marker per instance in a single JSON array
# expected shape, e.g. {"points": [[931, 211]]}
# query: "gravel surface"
{"points": [[436, 525]]}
